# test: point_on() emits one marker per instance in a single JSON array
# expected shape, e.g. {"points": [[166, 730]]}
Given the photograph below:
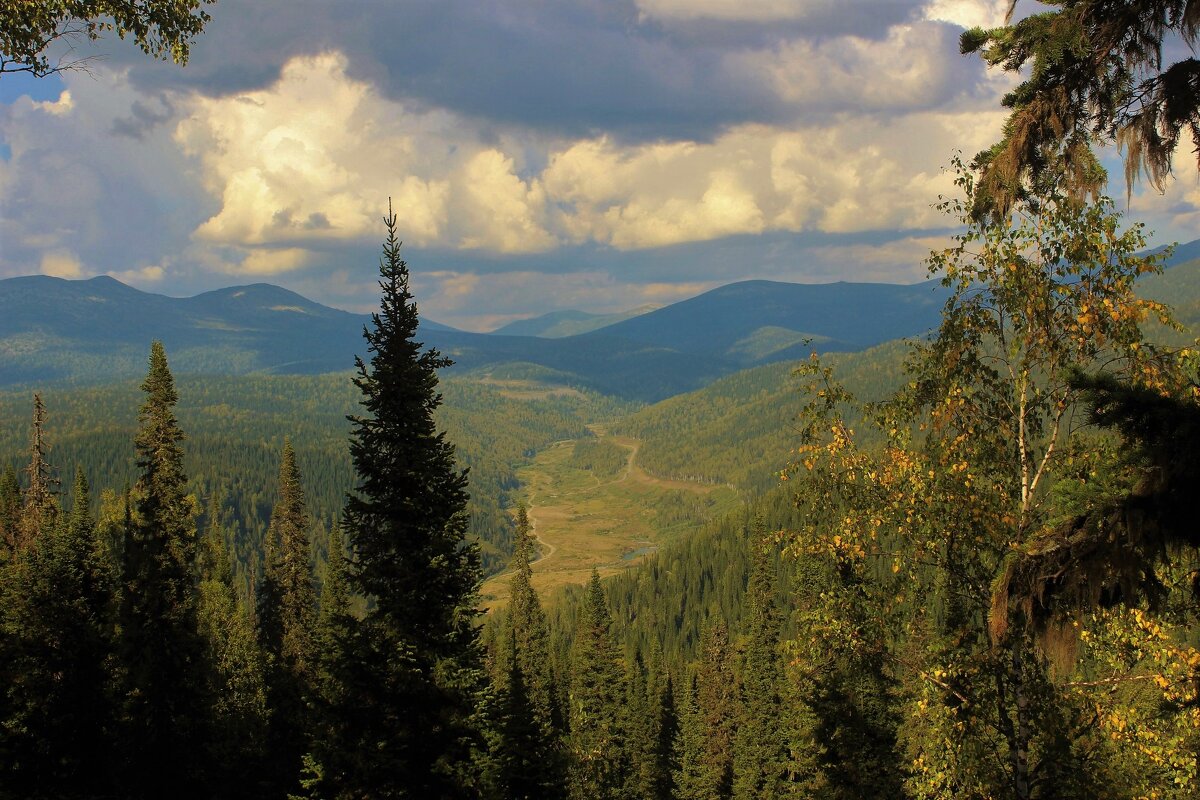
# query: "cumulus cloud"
{"points": [[150, 274], [501, 211], [907, 71], [61, 264], [968, 13], [842, 178], [585, 153], [313, 157]]}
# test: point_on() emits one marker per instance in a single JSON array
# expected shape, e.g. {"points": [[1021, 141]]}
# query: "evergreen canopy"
{"points": [[1096, 74]]}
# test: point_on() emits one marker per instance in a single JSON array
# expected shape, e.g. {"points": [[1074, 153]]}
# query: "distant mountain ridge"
{"points": [[100, 329], [753, 322], [559, 324]]}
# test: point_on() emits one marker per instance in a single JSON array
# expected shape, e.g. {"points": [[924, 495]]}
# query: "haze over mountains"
{"points": [[90, 330]]}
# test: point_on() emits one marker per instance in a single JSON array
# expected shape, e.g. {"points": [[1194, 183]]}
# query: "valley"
{"points": [[610, 521]]}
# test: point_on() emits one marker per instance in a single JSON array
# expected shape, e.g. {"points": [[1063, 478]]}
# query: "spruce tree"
{"points": [[10, 512], [162, 654], [410, 674], [716, 697], [643, 729], [527, 663], [599, 739], [58, 618], [334, 621], [528, 623], [692, 779], [666, 752], [235, 671], [287, 610], [523, 762], [761, 745], [39, 510]]}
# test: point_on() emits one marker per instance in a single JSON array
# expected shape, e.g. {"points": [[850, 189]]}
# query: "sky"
{"points": [[540, 155]]}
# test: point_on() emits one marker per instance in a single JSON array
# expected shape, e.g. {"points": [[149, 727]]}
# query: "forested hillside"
{"points": [[742, 429], [235, 428]]}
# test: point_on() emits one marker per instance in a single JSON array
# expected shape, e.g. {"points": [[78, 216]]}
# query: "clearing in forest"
{"points": [[591, 505]]}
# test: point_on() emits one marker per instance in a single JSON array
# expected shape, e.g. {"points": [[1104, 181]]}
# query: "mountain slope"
{"points": [[54, 330], [756, 321], [98, 329], [558, 324]]}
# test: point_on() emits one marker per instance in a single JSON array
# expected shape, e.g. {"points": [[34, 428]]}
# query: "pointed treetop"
{"points": [[39, 506], [159, 384], [80, 522]]}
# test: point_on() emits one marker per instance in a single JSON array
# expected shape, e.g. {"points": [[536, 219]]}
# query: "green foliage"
{"points": [[56, 639], [717, 716], [599, 723], [761, 746], [287, 622], [600, 457], [10, 512], [161, 29], [162, 655], [236, 671], [523, 760], [916, 532], [1092, 74], [236, 427], [408, 677], [737, 430]]}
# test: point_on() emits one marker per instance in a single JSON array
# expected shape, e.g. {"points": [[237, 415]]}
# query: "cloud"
{"points": [[821, 17], [313, 157], [61, 264], [273, 262], [141, 120], [906, 71], [148, 274], [502, 212], [839, 179], [595, 154], [639, 71], [968, 13]]}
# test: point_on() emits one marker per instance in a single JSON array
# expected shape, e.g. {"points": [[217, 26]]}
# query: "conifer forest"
{"points": [[962, 564]]}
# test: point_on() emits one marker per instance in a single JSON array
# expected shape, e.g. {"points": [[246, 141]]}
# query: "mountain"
{"points": [[98, 329], [558, 324], [59, 330], [754, 322], [54, 330]]}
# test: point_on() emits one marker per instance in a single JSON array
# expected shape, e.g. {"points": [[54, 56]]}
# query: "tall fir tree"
{"points": [[55, 738], [666, 727], [599, 738], [641, 705], [287, 609], [410, 675], [692, 779], [528, 623], [235, 671], [10, 512], [717, 700], [761, 745], [162, 655], [39, 510], [526, 665], [334, 621], [523, 761]]}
